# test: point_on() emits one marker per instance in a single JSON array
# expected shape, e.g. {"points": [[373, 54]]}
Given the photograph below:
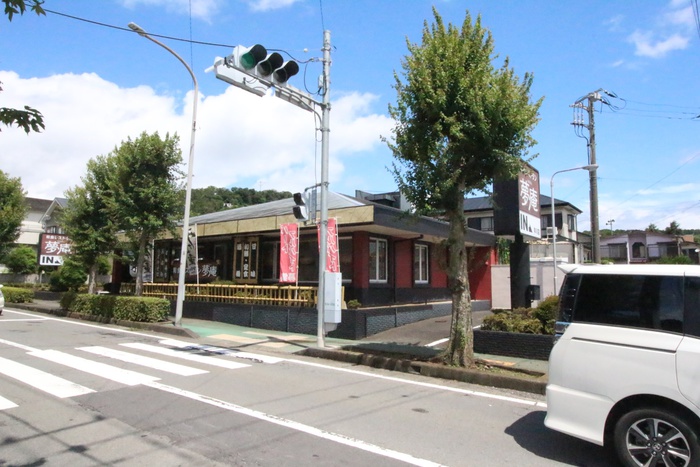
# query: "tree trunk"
{"points": [[92, 273], [460, 348], [140, 259]]}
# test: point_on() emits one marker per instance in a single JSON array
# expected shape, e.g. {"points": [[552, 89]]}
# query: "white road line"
{"points": [[221, 351], [149, 362], [6, 404], [128, 377], [17, 345], [338, 438], [187, 356], [469, 392], [437, 342], [41, 380]]}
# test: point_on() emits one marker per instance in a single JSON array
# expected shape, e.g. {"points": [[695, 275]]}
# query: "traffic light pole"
{"points": [[323, 231], [241, 69]]}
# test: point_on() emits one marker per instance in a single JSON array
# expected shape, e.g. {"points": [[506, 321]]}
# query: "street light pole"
{"points": [[188, 191], [589, 168]]}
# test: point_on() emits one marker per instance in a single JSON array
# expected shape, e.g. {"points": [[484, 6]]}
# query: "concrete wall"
{"points": [[541, 273]]}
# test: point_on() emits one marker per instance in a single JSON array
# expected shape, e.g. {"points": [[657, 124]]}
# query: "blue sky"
{"points": [[98, 85]]}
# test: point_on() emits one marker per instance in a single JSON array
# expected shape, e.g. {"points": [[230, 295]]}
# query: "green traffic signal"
{"points": [[252, 56]]}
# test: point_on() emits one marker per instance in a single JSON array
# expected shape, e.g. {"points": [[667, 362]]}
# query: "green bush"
{"points": [[21, 260], [67, 299], [539, 320], [70, 276], [18, 295], [143, 309]]}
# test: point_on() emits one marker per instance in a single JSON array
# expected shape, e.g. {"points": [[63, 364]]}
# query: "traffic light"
{"points": [[301, 211], [257, 62]]}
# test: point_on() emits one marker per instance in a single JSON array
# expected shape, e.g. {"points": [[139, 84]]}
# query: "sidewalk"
{"points": [[395, 355]]}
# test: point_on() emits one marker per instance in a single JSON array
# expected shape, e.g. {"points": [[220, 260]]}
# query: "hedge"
{"points": [[17, 294], [143, 309]]}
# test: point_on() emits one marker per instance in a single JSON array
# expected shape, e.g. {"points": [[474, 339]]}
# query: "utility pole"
{"points": [[323, 231], [592, 98]]}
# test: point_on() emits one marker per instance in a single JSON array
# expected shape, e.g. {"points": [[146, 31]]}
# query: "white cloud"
{"points": [[267, 5], [240, 139], [202, 9], [646, 44]]}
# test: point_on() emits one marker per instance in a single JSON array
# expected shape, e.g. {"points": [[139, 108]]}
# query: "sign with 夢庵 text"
{"points": [[52, 249], [529, 208]]}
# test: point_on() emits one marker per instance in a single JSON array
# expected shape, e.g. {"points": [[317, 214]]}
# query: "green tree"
{"points": [[28, 119], [70, 275], [673, 228], [87, 220], [144, 184], [21, 260], [652, 228], [13, 208], [460, 122]]}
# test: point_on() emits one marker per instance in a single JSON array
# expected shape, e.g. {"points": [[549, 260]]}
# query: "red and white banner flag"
{"points": [[289, 253], [333, 251]]}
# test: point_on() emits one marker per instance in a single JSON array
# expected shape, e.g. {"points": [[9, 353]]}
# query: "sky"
{"points": [[97, 84]]}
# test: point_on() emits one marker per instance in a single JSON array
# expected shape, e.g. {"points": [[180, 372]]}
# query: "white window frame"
{"points": [[374, 243], [421, 255]]}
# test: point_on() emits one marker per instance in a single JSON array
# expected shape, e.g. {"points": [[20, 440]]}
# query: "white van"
{"points": [[625, 369]]}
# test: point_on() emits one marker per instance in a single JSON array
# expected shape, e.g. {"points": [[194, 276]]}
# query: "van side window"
{"points": [[567, 297], [692, 306], [650, 302]]}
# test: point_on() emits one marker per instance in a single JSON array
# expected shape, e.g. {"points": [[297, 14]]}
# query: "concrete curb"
{"points": [[434, 370], [165, 328]]}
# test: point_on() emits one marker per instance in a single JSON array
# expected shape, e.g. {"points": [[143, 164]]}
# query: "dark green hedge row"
{"points": [[539, 320], [17, 295], [143, 309]]}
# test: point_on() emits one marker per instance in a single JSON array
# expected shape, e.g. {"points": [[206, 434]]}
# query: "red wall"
{"points": [[403, 252], [480, 273]]}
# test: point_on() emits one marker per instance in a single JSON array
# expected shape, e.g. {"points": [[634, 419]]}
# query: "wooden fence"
{"points": [[297, 296]]}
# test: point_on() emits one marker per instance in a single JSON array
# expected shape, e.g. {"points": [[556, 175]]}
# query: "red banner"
{"points": [[289, 253], [332, 252]]}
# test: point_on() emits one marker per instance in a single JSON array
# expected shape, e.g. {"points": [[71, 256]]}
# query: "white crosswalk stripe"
{"points": [[41, 380], [113, 373], [149, 362], [207, 360], [62, 388]]}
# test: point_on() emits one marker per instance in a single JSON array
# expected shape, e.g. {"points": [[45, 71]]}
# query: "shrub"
{"points": [[498, 322], [354, 304], [144, 309], [70, 276], [21, 260], [547, 309], [539, 320], [67, 299], [17, 294]]}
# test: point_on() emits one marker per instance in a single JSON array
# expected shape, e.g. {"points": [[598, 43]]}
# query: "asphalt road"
{"points": [[76, 393]]}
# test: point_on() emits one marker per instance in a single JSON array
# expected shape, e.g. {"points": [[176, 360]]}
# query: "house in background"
{"points": [[639, 246], [31, 228]]}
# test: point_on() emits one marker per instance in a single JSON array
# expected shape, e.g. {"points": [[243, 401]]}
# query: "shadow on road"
{"points": [[531, 434]]}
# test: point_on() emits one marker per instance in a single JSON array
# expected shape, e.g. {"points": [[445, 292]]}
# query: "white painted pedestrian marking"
{"points": [[149, 362], [41, 380], [291, 424], [113, 373], [437, 342], [6, 404], [221, 351], [187, 356]]}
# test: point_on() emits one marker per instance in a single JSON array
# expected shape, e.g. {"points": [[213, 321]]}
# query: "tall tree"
{"points": [[13, 208], [673, 228], [144, 180], [460, 122], [28, 119], [87, 218]]}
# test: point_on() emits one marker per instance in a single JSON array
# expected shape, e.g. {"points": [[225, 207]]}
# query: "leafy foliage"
{"points": [[13, 208], [71, 275], [212, 199], [28, 119], [460, 122], [21, 260], [87, 219], [18, 294], [141, 309], [538, 320]]}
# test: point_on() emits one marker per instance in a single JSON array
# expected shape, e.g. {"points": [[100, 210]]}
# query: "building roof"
{"points": [[353, 214], [485, 203], [38, 204]]}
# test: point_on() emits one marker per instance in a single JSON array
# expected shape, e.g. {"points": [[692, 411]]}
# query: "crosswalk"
{"points": [[139, 363]]}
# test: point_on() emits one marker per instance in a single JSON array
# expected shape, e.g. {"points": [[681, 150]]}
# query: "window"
{"points": [[420, 264], [378, 260], [571, 222], [617, 250], [650, 302], [481, 223]]}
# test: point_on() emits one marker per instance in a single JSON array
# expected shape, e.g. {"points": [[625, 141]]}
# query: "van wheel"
{"points": [[651, 437]]}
